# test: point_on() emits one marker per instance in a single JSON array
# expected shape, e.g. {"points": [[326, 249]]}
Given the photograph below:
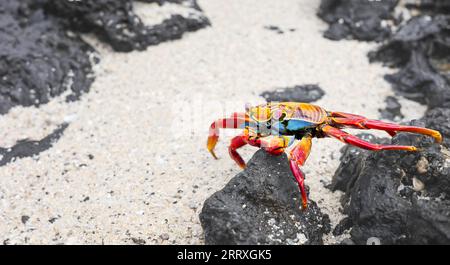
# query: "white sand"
{"points": [[145, 122]]}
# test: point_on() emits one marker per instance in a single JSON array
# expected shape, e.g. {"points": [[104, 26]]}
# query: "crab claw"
{"points": [[212, 141], [236, 121]]}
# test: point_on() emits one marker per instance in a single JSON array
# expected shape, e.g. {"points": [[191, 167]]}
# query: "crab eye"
{"points": [[279, 115]]}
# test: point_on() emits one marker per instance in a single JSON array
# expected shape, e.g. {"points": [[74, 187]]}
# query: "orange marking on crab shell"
{"points": [[308, 112]]}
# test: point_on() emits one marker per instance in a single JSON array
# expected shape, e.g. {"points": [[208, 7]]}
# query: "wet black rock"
{"points": [[28, 148], [303, 93], [392, 111], [38, 58], [261, 205], [421, 48], [116, 23], [396, 196], [358, 19]]}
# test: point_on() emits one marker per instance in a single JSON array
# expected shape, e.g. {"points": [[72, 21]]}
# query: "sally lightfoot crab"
{"points": [[276, 126]]}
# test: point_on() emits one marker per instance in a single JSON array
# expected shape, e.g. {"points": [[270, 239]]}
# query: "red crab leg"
{"points": [[237, 142], [237, 120], [360, 122], [273, 145], [353, 140], [297, 158]]}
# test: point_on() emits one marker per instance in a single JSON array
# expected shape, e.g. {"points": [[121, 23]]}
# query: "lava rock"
{"points": [[420, 29], [39, 59], [385, 198], [358, 19], [420, 82], [262, 205], [344, 225], [303, 93], [429, 6], [439, 119], [398, 197], [28, 148], [116, 23], [421, 48], [392, 110], [352, 159]]}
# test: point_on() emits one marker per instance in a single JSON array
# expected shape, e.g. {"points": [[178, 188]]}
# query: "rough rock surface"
{"points": [[117, 24], [421, 48], [429, 6], [403, 197], [398, 197], [439, 119], [352, 159], [303, 93], [39, 59], [261, 205], [358, 19], [392, 111]]}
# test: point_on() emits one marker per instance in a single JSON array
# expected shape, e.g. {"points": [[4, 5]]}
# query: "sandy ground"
{"points": [[132, 165]]}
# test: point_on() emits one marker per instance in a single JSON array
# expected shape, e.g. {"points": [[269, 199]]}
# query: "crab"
{"points": [[279, 127]]}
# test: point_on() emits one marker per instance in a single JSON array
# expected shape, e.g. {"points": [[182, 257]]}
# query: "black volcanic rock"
{"points": [[116, 23], [38, 58], [396, 196], [42, 55], [27, 148], [421, 48], [303, 93], [392, 111], [400, 197], [420, 82], [261, 205], [439, 119], [358, 19], [430, 6], [352, 160]]}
